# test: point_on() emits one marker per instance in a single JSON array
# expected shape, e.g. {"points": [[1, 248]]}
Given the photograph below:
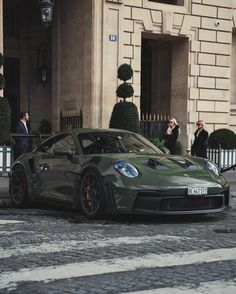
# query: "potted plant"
{"points": [[125, 114]]}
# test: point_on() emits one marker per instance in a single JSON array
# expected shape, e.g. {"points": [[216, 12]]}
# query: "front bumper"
{"points": [[152, 202], [180, 204]]}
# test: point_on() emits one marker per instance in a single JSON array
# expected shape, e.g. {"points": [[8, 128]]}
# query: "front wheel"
{"points": [[92, 194], [19, 187]]}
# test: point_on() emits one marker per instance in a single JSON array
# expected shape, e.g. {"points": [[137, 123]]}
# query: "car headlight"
{"points": [[126, 169], [212, 167]]}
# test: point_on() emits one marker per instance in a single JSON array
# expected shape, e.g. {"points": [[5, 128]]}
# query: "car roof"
{"points": [[94, 130]]}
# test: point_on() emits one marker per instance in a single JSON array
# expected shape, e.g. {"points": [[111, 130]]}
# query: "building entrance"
{"points": [[27, 52], [164, 81], [12, 87], [164, 78]]}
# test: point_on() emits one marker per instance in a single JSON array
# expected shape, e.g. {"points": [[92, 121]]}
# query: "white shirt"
{"points": [[25, 125]]}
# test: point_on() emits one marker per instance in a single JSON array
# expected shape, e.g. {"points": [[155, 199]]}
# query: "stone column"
{"points": [[1, 35], [1, 26], [56, 69]]}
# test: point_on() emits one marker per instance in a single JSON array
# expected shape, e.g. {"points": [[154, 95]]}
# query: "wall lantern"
{"points": [[46, 11], [43, 74]]}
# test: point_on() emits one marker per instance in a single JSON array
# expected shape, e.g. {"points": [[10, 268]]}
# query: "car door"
{"points": [[58, 173]]}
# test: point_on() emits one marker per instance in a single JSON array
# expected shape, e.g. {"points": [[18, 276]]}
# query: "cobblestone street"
{"points": [[46, 250]]}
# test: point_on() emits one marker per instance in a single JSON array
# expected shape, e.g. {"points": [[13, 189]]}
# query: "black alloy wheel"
{"points": [[92, 194], [19, 187]]}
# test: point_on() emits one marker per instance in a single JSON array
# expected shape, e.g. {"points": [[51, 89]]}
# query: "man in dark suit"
{"points": [[21, 145], [199, 147]]}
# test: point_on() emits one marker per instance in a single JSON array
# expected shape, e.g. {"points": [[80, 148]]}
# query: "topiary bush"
{"points": [[125, 114], [5, 121], [125, 91], [224, 137], [125, 72]]}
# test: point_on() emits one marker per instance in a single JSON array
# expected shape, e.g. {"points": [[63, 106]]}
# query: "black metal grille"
{"points": [[197, 203], [153, 203], [71, 120]]}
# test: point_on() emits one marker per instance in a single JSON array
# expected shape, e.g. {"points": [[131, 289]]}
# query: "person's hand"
{"points": [[169, 131]]}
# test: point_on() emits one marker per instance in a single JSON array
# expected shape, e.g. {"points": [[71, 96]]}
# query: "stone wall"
{"points": [[208, 26]]}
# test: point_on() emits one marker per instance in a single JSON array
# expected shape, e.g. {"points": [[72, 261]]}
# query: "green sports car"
{"points": [[106, 171]]}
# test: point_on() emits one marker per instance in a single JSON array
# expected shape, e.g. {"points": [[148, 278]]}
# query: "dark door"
{"points": [[12, 87], [57, 174]]}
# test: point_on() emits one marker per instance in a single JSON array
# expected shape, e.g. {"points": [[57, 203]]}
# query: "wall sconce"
{"points": [[43, 74], [46, 11]]}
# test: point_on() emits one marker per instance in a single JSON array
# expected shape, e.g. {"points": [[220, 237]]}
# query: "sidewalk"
{"points": [[5, 200], [231, 178]]}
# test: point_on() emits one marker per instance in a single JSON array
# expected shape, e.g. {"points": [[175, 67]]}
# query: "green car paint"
{"points": [[162, 182]]}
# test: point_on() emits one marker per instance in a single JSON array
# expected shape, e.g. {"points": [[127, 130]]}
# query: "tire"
{"points": [[92, 194], [19, 187]]}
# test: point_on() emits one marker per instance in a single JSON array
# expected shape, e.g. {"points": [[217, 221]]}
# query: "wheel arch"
{"points": [[26, 174], [110, 207]]}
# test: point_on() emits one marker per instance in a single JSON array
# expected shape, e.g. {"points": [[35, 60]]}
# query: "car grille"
{"points": [[191, 204], [168, 204]]}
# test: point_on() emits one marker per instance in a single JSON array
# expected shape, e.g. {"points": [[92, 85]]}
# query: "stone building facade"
{"points": [[183, 53]]}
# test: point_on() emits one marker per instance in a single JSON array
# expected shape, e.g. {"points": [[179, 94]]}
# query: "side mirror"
{"points": [[63, 151]]}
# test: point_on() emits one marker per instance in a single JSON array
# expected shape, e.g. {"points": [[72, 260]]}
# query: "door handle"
{"points": [[44, 167]]}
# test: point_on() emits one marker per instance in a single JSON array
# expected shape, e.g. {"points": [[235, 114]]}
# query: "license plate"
{"points": [[197, 191]]}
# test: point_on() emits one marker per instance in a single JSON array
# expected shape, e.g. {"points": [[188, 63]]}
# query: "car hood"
{"points": [[165, 163], [166, 170]]}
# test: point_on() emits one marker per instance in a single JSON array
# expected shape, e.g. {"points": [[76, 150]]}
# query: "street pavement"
{"points": [[50, 250]]}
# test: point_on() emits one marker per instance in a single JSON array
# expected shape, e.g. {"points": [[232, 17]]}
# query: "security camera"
{"points": [[217, 23]]}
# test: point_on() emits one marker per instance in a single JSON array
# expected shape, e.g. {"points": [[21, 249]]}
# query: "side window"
{"points": [[67, 142], [89, 144], [64, 140]]}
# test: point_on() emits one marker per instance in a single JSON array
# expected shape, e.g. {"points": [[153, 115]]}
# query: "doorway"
{"points": [[156, 77], [164, 79], [12, 87]]}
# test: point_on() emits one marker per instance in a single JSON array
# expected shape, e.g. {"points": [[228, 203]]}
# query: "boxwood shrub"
{"points": [[224, 137]]}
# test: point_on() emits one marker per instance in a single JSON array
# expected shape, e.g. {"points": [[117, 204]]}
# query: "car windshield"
{"points": [[114, 142]]}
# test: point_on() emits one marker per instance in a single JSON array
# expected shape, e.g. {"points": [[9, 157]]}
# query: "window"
{"points": [[172, 2], [64, 140], [108, 142], [67, 142], [11, 22]]}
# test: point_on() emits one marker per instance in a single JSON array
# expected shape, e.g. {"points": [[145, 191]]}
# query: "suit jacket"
{"points": [[199, 147], [21, 146]]}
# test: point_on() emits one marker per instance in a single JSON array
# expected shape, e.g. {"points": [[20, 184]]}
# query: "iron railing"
{"points": [[223, 158], [71, 119], [153, 125]]}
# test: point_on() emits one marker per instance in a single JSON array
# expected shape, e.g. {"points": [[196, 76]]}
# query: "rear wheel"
{"points": [[92, 194], [19, 187]]}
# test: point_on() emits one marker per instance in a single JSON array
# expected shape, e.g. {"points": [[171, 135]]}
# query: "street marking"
{"points": [[50, 247], [216, 287], [6, 233], [8, 221], [107, 266]]}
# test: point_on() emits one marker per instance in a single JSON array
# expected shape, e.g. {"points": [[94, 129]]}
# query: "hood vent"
{"points": [[156, 164], [184, 163]]}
